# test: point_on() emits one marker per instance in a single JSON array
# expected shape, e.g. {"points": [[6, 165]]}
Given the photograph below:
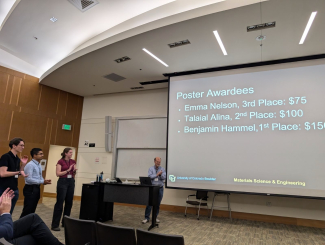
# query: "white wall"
{"points": [[154, 102], [54, 157]]}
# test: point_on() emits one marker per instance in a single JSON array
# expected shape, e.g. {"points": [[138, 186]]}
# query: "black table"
{"points": [[97, 200]]}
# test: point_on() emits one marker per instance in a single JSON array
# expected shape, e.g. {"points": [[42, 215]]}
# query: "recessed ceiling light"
{"points": [[152, 55], [260, 38], [53, 19], [310, 22], [220, 42]]}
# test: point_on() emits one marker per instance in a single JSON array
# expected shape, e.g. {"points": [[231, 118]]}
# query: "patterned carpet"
{"points": [[199, 232]]}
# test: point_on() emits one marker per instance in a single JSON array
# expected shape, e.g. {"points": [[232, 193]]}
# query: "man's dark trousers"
{"points": [[32, 196]]}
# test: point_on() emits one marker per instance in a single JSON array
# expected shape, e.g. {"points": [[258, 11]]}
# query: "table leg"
{"points": [[153, 220]]}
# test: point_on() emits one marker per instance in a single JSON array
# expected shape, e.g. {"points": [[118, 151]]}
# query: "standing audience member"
{"points": [[10, 169], [32, 190], [65, 170]]}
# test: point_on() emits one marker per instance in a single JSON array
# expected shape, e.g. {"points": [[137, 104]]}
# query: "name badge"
{"points": [[156, 179], [69, 176], [16, 176]]}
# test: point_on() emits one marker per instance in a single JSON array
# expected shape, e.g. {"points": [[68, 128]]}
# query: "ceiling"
{"points": [[81, 68], [74, 30]]}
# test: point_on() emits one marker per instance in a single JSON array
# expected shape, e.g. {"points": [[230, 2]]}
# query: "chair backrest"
{"points": [[79, 232], [114, 235], [202, 195], [149, 238]]}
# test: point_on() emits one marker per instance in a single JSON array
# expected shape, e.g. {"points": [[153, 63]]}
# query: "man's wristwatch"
{"points": [[19, 173]]}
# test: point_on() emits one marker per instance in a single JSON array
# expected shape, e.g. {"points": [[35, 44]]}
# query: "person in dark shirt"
{"points": [[10, 169], [29, 230]]}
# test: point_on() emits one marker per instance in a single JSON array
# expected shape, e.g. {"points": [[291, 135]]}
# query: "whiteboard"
{"points": [[138, 141], [142, 133], [132, 163]]}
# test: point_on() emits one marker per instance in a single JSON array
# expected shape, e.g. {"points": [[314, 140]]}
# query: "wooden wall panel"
{"points": [[5, 122], [29, 94], [75, 136], [13, 72], [33, 79], [4, 146], [4, 80], [6, 99], [80, 105], [53, 131], [36, 113], [64, 137], [49, 100], [72, 106], [62, 105], [15, 90], [32, 128]]}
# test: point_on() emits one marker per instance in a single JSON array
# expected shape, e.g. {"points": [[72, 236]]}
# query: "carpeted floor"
{"points": [[199, 232]]}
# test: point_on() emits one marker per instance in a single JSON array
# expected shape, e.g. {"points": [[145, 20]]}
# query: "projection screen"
{"points": [[251, 130]]}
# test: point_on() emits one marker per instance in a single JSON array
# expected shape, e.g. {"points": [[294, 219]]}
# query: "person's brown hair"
{"points": [[65, 151], [15, 141]]}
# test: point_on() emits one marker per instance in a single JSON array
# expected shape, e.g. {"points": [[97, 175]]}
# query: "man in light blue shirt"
{"points": [[157, 175], [34, 179]]}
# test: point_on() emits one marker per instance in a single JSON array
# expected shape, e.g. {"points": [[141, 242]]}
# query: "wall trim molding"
{"points": [[225, 214]]}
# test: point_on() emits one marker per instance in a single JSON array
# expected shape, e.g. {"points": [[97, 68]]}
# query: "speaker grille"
{"points": [[114, 77], [83, 5]]}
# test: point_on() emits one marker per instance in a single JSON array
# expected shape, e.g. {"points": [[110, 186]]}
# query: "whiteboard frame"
{"points": [[115, 148]]}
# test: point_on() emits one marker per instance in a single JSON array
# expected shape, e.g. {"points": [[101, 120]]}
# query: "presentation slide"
{"points": [[251, 130]]}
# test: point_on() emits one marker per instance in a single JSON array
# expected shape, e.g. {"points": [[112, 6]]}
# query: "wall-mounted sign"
{"points": [[66, 127], [43, 164]]}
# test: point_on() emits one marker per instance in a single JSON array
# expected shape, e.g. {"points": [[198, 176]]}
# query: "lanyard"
{"points": [[67, 164], [36, 162]]}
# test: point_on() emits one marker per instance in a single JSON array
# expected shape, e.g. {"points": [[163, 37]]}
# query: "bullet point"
{"points": [[179, 120], [179, 131], [179, 110]]}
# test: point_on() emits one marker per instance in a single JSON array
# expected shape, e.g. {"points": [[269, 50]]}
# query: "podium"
{"points": [[97, 200]]}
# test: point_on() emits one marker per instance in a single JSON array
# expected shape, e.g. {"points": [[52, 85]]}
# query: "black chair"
{"points": [[79, 232], [149, 238], [114, 235], [201, 200]]}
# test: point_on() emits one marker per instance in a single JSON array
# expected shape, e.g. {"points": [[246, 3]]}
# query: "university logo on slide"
{"points": [[172, 178]]}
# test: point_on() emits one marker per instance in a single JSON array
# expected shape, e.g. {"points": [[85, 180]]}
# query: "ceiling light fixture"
{"points": [[137, 88], [220, 42], [125, 58], [310, 22], [53, 19], [179, 43], [152, 55]]}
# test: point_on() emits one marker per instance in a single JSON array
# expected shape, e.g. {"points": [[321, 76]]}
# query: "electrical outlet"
{"points": [[269, 204]]}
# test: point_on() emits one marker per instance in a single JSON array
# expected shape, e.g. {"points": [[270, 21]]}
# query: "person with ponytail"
{"points": [[65, 170]]}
